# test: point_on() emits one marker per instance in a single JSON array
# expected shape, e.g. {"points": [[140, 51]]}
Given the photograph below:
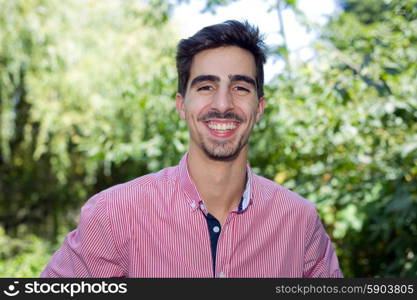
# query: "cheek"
{"points": [[191, 118], [196, 110], [252, 111]]}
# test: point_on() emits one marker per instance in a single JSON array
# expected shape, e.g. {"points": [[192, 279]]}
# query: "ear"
{"points": [[261, 107], [179, 103]]}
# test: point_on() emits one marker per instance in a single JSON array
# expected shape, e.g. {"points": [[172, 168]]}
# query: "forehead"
{"points": [[223, 62]]}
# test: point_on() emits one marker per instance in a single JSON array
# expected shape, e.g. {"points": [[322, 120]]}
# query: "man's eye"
{"points": [[205, 88], [241, 90]]}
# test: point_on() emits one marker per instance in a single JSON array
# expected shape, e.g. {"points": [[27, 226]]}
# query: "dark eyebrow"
{"points": [[250, 80], [204, 78]]}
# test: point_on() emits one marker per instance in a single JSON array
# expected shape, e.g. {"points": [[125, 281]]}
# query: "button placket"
{"points": [[225, 247]]}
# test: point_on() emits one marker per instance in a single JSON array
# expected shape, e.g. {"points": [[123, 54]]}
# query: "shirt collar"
{"points": [[193, 197], [246, 197]]}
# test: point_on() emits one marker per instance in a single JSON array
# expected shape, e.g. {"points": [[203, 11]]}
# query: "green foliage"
{"points": [[212, 5], [343, 134], [85, 89], [24, 257], [365, 11]]}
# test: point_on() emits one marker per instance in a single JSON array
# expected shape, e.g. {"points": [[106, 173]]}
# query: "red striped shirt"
{"points": [[153, 226]]}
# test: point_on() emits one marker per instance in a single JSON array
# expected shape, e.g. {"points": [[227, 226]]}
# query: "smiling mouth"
{"points": [[222, 128]]}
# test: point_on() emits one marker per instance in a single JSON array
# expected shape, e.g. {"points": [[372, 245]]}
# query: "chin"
{"points": [[217, 154], [222, 156]]}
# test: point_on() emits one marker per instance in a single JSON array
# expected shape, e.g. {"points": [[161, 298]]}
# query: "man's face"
{"points": [[221, 104]]}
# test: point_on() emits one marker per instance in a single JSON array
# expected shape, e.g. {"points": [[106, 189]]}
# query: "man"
{"points": [[210, 216]]}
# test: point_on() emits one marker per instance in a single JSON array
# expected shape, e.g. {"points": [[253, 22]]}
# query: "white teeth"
{"points": [[222, 126]]}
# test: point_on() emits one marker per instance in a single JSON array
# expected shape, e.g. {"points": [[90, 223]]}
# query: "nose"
{"points": [[222, 100]]}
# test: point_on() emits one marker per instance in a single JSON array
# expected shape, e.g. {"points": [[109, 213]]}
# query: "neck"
{"points": [[219, 183]]}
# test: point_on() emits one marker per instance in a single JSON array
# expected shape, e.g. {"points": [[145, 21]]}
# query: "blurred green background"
{"points": [[87, 101]]}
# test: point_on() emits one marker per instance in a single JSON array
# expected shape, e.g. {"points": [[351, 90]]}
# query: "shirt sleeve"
{"points": [[320, 259], [89, 250]]}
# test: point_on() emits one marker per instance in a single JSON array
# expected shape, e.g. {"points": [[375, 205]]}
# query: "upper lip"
{"points": [[221, 121]]}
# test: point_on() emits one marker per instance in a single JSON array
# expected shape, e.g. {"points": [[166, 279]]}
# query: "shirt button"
{"points": [[193, 204], [216, 229], [222, 275], [202, 207]]}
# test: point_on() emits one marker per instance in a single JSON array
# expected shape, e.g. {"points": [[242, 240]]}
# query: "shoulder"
{"points": [[135, 193], [160, 179], [122, 203], [270, 193]]}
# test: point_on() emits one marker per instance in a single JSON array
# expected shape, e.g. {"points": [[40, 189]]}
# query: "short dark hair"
{"points": [[228, 33]]}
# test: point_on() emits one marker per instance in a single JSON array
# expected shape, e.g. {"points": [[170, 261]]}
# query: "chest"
{"points": [[170, 245]]}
